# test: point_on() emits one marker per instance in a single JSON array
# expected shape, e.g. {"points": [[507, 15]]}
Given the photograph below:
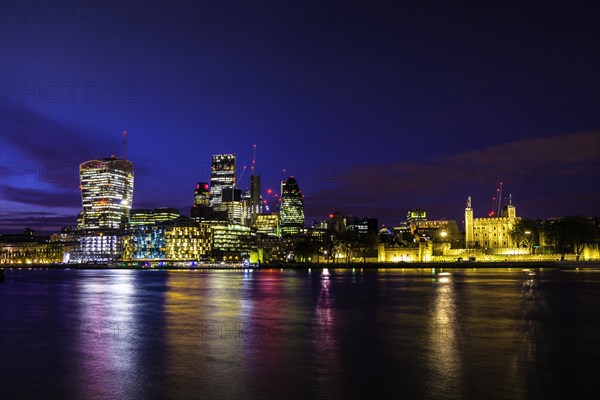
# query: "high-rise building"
{"points": [[416, 215], [254, 206], [231, 202], [222, 176], [202, 209], [106, 193], [202, 194], [292, 208]]}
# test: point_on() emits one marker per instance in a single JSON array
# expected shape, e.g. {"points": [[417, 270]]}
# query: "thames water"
{"points": [[300, 334]]}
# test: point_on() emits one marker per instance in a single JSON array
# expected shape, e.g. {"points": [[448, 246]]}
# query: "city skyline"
{"points": [[238, 179], [375, 110]]}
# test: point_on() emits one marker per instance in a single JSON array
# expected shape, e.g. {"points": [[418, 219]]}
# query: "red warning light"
{"points": [[206, 186], [330, 216], [269, 191]]}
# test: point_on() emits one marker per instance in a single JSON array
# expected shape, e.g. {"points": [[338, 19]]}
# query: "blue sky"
{"points": [[376, 108]]}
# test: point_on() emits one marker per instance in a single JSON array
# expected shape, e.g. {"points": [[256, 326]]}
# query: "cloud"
{"points": [[47, 140], [47, 221], [42, 198], [538, 167]]}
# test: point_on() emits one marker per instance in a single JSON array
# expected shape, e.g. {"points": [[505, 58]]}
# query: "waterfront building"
{"points": [[28, 248], [188, 241], [145, 242], [490, 232], [292, 208], [97, 246], [106, 193], [222, 176], [144, 216], [232, 242], [268, 224], [180, 239]]}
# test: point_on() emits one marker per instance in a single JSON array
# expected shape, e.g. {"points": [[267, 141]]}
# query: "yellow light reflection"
{"points": [[444, 354]]}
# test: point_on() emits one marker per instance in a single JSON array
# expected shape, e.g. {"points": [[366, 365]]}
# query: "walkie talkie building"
{"points": [[106, 193]]}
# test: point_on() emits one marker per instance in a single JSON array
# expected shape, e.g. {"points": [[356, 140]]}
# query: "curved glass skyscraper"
{"points": [[292, 207], [106, 193]]}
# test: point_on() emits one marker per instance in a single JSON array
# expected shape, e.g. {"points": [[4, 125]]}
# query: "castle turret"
{"points": [[469, 238]]}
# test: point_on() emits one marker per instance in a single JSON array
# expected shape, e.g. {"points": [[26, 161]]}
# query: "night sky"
{"points": [[375, 108]]}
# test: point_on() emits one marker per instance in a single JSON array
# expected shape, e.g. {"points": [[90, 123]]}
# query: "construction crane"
{"points": [[496, 202], [253, 158], [499, 200], [124, 144], [242, 174]]}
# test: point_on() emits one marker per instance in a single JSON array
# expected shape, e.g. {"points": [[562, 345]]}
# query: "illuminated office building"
{"points": [[231, 202], [176, 240], [97, 246], [268, 225], [202, 195], [232, 241], [106, 193], [292, 208], [202, 209], [416, 215], [143, 216], [222, 176]]}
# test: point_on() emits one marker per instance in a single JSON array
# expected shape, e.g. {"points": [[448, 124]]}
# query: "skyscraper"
{"points": [[231, 202], [255, 200], [106, 193], [202, 195], [202, 209], [292, 207], [222, 176]]}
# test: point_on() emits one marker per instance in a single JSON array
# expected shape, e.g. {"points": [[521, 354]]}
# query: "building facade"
{"points": [[143, 216], [491, 232], [106, 193], [232, 242], [292, 208], [180, 240], [222, 176]]}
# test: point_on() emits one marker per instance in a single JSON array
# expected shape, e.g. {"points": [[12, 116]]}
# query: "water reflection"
{"points": [[496, 334], [528, 335], [325, 339], [203, 333], [106, 336], [444, 351]]}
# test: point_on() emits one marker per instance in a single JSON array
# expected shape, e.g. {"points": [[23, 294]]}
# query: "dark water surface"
{"points": [[284, 334]]}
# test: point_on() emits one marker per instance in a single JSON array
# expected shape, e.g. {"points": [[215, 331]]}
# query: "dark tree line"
{"points": [[566, 235]]}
